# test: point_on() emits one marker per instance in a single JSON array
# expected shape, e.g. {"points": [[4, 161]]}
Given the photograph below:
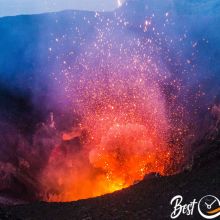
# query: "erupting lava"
{"points": [[124, 155], [123, 129], [127, 153], [121, 137], [123, 90]]}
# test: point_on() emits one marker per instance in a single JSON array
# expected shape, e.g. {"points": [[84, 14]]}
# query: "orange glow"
{"points": [[118, 151], [124, 156], [123, 133]]}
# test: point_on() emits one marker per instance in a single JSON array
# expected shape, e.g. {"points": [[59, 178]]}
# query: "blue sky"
{"points": [[15, 7]]}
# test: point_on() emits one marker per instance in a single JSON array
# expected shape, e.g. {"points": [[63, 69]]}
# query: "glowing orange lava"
{"points": [[125, 155], [123, 129], [124, 140]]}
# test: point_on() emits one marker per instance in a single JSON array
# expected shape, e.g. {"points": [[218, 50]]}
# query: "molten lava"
{"points": [[119, 139], [125, 154], [123, 129]]}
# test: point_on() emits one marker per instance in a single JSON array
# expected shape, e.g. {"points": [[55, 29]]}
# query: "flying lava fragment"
{"points": [[123, 130]]}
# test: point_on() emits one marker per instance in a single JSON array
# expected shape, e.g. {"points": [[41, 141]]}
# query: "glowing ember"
{"points": [[124, 130], [122, 136]]}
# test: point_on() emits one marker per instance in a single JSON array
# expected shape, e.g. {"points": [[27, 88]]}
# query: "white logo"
{"points": [[208, 207]]}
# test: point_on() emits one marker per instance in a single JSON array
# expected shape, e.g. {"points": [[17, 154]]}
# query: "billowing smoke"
{"points": [[102, 99]]}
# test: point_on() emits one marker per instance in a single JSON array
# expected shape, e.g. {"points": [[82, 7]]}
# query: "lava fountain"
{"points": [[123, 131]]}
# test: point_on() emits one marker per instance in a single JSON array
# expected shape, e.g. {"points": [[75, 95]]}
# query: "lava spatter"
{"points": [[115, 87]]}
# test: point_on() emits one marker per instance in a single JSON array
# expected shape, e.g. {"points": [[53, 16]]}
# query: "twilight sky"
{"points": [[16, 7]]}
